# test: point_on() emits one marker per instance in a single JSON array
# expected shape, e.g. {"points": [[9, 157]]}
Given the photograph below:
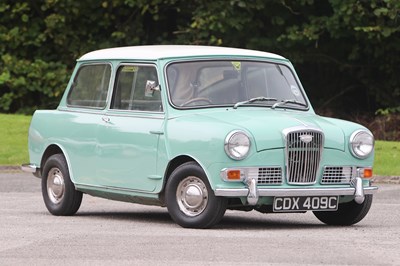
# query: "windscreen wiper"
{"points": [[256, 99], [288, 101]]}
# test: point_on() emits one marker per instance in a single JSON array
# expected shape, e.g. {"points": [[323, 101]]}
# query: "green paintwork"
{"points": [[124, 155]]}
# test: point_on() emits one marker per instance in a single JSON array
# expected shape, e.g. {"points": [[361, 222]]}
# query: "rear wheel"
{"points": [[59, 194], [190, 200], [347, 214]]}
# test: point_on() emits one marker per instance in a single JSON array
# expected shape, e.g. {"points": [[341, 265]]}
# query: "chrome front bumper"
{"points": [[253, 193]]}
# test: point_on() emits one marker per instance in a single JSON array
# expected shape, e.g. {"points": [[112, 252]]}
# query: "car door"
{"points": [[86, 103], [129, 133]]}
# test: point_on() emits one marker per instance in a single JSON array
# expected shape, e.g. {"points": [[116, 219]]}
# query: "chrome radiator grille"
{"points": [[303, 156], [337, 175]]}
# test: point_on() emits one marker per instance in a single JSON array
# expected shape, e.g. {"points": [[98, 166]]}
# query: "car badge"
{"points": [[306, 138]]}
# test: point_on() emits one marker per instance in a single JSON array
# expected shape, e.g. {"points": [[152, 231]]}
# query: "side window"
{"points": [[90, 86], [130, 86]]}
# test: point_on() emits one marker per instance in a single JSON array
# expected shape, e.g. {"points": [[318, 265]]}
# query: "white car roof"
{"points": [[154, 52]]}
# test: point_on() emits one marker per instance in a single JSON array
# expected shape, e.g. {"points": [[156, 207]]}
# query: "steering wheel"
{"points": [[199, 99]]}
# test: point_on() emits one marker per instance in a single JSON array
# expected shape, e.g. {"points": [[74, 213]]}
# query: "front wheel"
{"points": [[190, 200], [347, 214], [59, 194]]}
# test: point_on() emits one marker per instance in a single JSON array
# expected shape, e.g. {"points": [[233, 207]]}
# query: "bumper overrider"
{"points": [[252, 192]]}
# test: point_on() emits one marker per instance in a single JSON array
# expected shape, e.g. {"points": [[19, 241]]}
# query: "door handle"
{"points": [[156, 132], [105, 119]]}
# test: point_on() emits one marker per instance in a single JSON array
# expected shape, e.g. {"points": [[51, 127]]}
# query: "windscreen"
{"points": [[225, 83]]}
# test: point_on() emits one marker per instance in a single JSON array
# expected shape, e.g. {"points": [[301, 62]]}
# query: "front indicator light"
{"points": [[366, 173], [233, 175]]}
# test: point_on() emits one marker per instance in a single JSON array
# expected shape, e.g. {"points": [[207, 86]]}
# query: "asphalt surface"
{"points": [[106, 232]]}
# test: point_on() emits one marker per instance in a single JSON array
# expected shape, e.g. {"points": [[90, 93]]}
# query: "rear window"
{"points": [[90, 86]]}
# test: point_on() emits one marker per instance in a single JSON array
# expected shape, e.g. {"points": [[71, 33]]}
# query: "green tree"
{"points": [[345, 51], [40, 41]]}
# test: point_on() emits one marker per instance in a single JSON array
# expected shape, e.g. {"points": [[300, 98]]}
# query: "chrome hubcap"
{"points": [[192, 196], [55, 185]]}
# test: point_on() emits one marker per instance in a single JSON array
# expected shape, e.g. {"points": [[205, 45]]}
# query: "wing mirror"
{"points": [[151, 87]]}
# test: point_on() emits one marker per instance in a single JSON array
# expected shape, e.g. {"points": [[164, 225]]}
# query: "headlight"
{"points": [[237, 145], [361, 144]]}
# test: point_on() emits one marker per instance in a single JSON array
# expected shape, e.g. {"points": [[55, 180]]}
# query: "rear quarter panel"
{"points": [[73, 133]]}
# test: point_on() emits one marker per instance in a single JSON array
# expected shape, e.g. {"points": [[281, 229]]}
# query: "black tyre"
{"points": [[347, 213], [59, 194], [190, 200]]}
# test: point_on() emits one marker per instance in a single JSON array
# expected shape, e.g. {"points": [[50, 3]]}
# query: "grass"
{"points": [[387, 158], [14, 139], [14, 146]]}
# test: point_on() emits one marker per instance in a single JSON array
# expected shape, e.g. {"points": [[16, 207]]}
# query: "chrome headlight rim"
{"points": [[354, 143], [228, 145]]}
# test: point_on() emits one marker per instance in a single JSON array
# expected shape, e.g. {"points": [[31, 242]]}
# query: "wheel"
{"points": [[59, 194], [347, 214], [197, 100], [190, 200]]}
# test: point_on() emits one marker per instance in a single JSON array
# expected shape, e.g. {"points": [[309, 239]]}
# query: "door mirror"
{"points": [[151, 87]]}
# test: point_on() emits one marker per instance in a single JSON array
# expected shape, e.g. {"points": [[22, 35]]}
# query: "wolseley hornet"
{"points": [[198, 130]]}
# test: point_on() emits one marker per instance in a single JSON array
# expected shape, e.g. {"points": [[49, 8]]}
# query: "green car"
{"points": [[199, 130]]}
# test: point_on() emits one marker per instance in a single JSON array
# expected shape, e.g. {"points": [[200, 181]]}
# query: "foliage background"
{"points": [[346, 52]]}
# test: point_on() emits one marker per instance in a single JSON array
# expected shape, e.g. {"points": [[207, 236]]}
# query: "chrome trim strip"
{"points": [[135, 113], [128, 113], [111, 188], [273, 192]]}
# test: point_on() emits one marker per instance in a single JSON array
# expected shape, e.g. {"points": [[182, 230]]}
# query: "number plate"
{"points": [[294, 204]]}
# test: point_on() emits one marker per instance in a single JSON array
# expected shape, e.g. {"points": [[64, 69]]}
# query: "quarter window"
{"points": [[130, 89], [90, 86]]}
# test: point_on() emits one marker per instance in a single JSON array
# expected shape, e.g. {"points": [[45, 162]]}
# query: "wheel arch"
{"points": [[172, 165], [50, 150], [189, 197]]}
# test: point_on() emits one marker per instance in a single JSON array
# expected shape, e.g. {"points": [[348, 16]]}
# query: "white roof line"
{"points": [[154, 52]]}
